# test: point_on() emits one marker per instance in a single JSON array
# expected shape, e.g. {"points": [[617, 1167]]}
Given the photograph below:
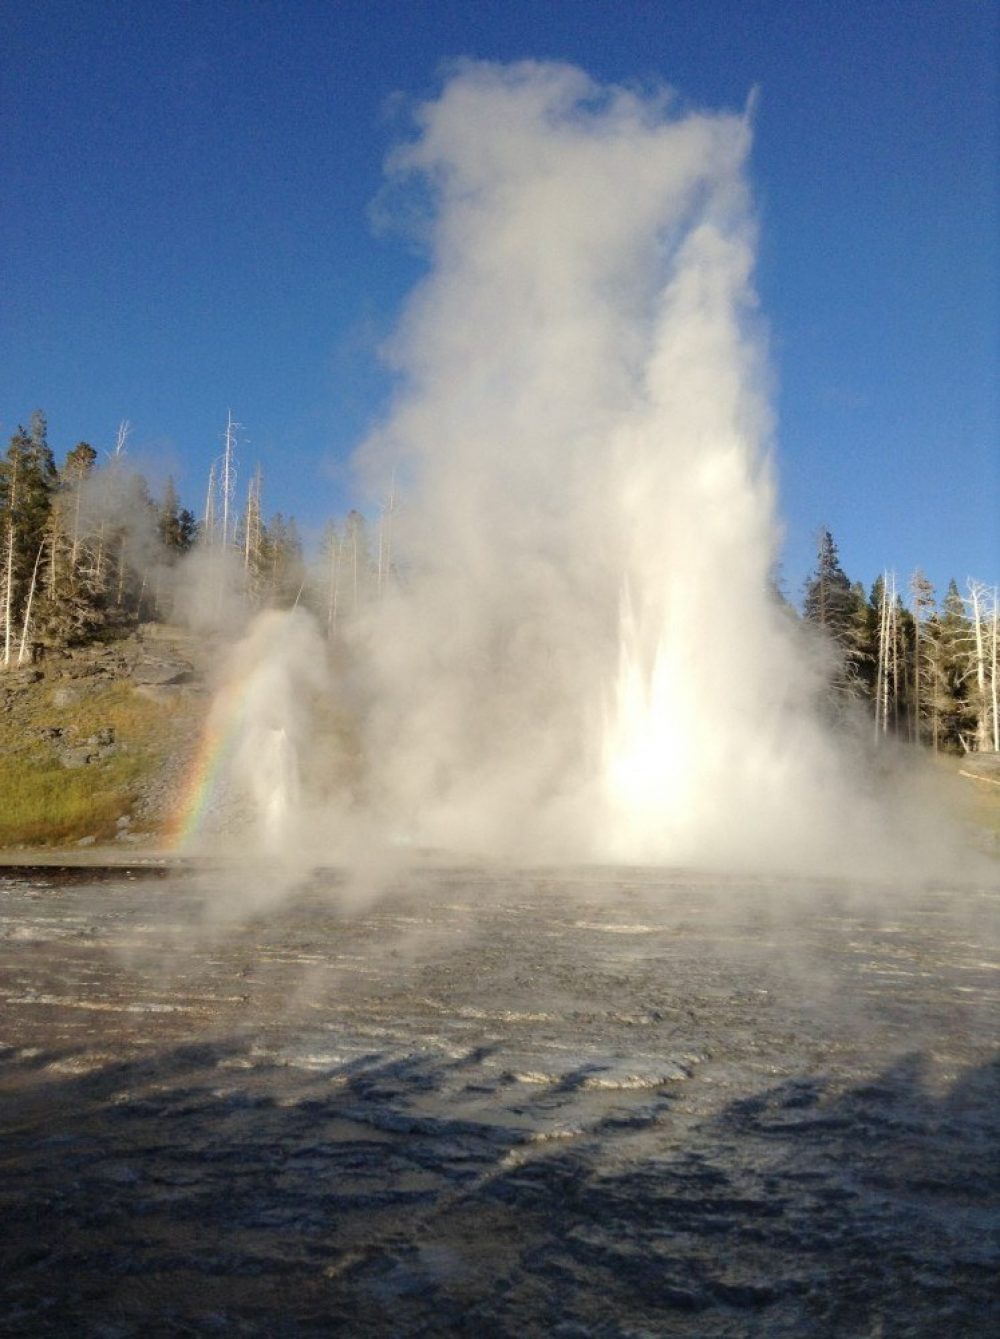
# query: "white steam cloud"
{"points": [[583, 660], [579, 658]]}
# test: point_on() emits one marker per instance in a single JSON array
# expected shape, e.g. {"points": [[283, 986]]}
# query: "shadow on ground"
{"points": [[207, 1189]]}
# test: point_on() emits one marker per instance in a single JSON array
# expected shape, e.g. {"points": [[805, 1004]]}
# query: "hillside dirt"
{"points": [[121, 718]]}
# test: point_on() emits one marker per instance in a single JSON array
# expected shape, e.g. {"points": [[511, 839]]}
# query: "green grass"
{"points": [[974, 801], [44, 803]]}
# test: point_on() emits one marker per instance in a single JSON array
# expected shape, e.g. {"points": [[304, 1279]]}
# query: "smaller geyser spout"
{"points": [[275, 786], [254, 737]]}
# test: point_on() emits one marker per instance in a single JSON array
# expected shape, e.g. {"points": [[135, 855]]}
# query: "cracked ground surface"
{"points": [[603, 1102]]}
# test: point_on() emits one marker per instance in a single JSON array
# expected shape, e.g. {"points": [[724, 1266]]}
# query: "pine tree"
{"points": [[957, 713], [982, 670], [76, 470], [925, 649], [840, 612], [250, 541], [332, 554], [357, 560], [71, 610], [176, 526], [129, 544], [281, 559], [893, 652], [27, 479], [168, 524]]}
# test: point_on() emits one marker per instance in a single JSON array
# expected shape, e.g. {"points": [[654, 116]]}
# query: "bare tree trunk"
{"points": [[333, 585], [76, 526], [55, 520], [228, 482], [894, 647], [9, 591], [27, 608], [993, 676], [124, 428], [209, 524], [882, 673], [355, 564], [251, 535], [385, 537], [975, 602], [99, 558], [381, 548], [248, 530], [8, 600], [918, 648], [120, 595]]}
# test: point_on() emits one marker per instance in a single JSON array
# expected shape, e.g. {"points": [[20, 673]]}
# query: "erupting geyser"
{"points": [[585, 660], [581, 658]]}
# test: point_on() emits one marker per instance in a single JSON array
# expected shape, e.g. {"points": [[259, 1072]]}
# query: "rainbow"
{"points": [[209, 766]]}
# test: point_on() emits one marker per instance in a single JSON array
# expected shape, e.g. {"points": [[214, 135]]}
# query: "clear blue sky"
{"points": [[185, 227]]}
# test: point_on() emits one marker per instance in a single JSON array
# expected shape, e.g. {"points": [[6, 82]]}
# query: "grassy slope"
{"points": [[43, 802], [975, 787]]}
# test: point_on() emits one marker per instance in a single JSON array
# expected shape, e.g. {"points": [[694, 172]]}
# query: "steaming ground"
{"points": [[608, 1102]]}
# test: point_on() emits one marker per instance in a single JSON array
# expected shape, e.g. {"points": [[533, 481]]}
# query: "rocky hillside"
{"points": [[94, 741]]}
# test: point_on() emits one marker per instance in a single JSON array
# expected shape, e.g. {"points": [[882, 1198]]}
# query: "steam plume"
{"points": [[584, 657], [580, 658]]}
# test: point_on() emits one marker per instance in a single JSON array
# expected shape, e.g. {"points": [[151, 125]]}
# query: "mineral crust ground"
{"points": [[555, 1102]]}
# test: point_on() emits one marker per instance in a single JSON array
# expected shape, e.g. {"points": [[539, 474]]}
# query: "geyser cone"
{"points": [[585, 661]]}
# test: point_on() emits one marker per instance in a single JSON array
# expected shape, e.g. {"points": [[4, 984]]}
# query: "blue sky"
{"points": [[185, 227]]}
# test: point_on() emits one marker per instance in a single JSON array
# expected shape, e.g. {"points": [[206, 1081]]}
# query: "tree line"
{"points": [[925, 671], [88, 551], [75, 543]]}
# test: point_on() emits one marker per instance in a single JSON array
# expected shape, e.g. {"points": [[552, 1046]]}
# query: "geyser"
{"points": [[579, 656], [584, 660], [248, 761]]}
